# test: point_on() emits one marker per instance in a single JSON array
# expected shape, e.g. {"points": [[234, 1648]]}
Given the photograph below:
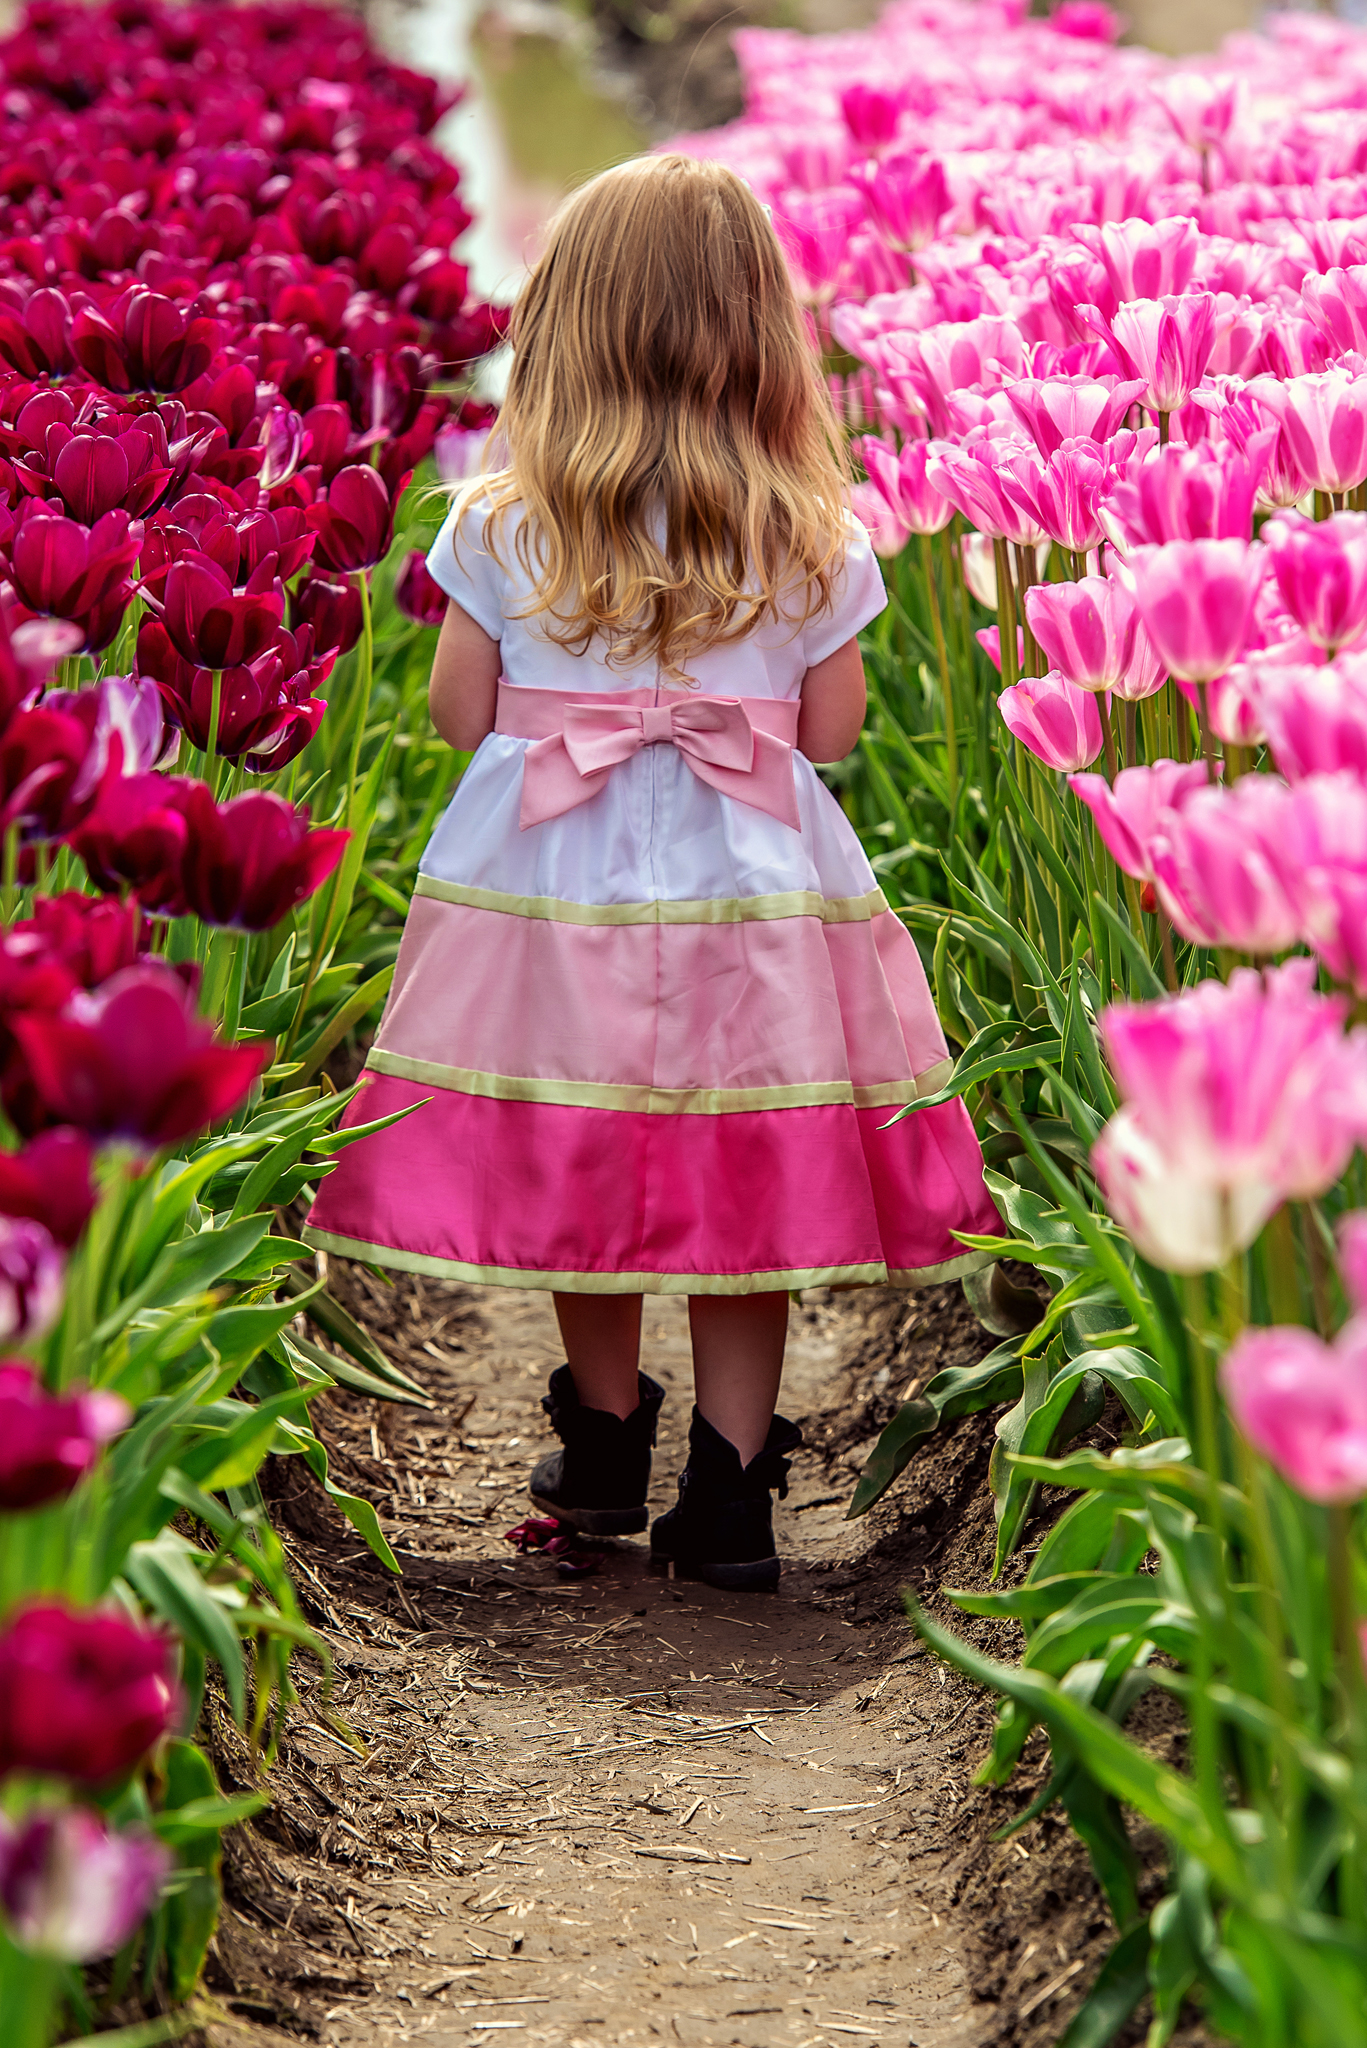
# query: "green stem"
{"points": [[1006, 613], [211, 749], [367, 683], [946, 682], [9, 887]]}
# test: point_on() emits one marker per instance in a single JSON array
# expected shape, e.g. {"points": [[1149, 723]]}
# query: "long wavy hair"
{"points": [[667, 431]]}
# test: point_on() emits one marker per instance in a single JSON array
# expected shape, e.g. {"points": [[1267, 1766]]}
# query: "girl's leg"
{"points": [[738, 1342], [602, 1338]]}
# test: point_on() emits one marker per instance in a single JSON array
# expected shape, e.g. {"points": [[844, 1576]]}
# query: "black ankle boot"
{"points": [[722, 1530], [598, 1482]]}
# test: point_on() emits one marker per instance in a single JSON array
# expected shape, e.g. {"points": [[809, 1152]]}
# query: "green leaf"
{"points": [[360, 1513], [343, 1328], [1120, 1983], [163, 1574], [958, 1390]]}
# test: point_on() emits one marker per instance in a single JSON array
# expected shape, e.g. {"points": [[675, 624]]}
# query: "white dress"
{"points": [[653, 1043]]}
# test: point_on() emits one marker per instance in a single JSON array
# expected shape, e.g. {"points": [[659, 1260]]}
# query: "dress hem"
{"points": [[785, 1280]]}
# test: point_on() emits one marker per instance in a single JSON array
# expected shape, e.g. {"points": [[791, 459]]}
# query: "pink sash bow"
{"points": [[577, 742]]}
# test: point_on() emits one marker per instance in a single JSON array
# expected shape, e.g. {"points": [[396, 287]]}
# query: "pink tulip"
{"points": [[1091, 632], [1352, 1258], [921, 370], [1337, 302], [1201, 108], [870, 114], [1059, 723], [1316, 718], [971, 477], [1324, 420], [1144, 259], [1216, 872], [1196, 598], [1321, 572], [1131, 811], [1176, 1221], [1321, 858], [1246, 1085], [990, 640], [1303, 1404], [1233, 704], [71, 1887], [1202, 493], [899, 477], [1166, 343], [1062, 493], [1053, 410]]}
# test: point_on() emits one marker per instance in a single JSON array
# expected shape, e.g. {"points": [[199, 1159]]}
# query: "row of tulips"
{"points": [[231, 327], [1098, 323]]}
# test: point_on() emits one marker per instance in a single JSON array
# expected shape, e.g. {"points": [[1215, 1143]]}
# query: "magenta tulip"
{"points": [[48, 1442], [417, 593], [355, 524], [1091, 632], [132, 1060], [31, 1273], [249, 862], [1324, 421], [1164, 343], [49, 1181], [1129, 813], [1216, 870], [907, 197], [73, 1888], [1196, 598], [1321, 572], [870, 114], [36, 341], [144, 343], [1059, 723], [267, 712], [82, 1696], [1303, 1404]]}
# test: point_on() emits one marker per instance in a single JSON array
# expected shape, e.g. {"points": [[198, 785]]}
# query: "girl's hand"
{"points": [[834, 699], [462, 696]]}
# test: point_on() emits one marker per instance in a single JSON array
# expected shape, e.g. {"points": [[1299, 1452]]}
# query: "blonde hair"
{"points": [[661, 367]]}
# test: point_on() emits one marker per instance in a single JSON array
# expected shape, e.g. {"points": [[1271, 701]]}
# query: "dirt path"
{"points": [[625, 1809]]}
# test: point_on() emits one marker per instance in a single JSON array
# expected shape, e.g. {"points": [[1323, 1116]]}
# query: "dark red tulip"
{"points": [[267, 712], [49, 1442], [249, 862], [417, 593], [333, 609], [355, 524], [61, 566], [209, 622], [43, 755], [71, 942], [82, 1696], [135, 838], [36, 340], [97, 465], [50, 1182], [144, 343], [327, 438], [133, 1060]]}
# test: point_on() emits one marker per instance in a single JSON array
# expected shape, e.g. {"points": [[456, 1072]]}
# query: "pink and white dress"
{"points": [[652, 1013]]}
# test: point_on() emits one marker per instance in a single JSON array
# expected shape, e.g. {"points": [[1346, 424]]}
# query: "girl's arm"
{"points": [[463, 693], [834, 699]]}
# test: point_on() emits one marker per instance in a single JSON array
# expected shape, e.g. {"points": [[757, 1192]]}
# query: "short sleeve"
{"points": [[858, 597], [460, 563]]}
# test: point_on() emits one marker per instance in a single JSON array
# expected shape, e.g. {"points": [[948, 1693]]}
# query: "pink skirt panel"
{"points": [[662, 1005], [515, 1190]]}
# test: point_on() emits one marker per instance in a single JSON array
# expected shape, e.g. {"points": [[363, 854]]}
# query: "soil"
{"points": [[628, 1809]]}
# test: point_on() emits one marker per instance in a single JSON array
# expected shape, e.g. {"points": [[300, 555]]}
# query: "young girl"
{"points": [[652, 1014]]}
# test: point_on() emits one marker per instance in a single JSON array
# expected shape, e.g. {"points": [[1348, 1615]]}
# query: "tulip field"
{"points": [[1098, 323], [231, 326]]}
